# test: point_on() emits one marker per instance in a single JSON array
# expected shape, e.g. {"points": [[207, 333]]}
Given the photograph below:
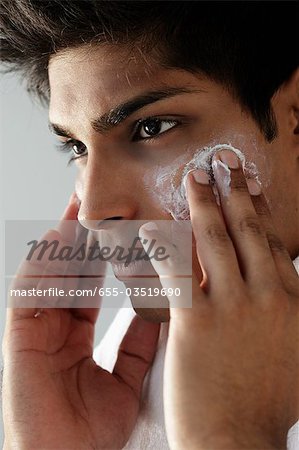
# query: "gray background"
{"points": [[35, 180]]}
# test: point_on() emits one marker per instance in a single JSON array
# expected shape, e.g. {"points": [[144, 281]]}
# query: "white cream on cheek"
{"points": [[171, 193]]}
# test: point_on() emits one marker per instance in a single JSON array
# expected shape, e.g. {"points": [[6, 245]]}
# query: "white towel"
{"points": [[149, 432]]}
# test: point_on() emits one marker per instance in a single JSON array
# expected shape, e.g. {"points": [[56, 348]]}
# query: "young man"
{"points": [[135, 88]]}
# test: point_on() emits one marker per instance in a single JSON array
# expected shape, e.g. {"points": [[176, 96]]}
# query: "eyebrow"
{"points": [[121, 112]]}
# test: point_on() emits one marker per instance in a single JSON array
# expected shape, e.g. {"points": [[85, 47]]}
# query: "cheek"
{"points": [[164, 185], [167, 183]]}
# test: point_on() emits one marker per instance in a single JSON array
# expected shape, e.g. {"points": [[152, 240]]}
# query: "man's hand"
{"points": [[232, 360], [54, 394]]}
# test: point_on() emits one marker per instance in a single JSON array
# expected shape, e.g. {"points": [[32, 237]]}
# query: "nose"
{"points": [[106, 193]]}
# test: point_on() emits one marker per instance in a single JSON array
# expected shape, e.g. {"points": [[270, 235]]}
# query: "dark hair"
{"points": [[249, 47]]}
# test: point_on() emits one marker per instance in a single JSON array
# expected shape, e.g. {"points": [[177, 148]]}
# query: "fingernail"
{"points": [[254, 186], [184, 182], [222, 176], [149, 226], [200, 176], [229, 158]]}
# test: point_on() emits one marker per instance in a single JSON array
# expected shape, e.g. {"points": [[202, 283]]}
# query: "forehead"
{"points": [[90, 67], [82, 78]]}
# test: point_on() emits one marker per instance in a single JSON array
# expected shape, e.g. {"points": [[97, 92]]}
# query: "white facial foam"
{"points": [[170, 191], [225, 178]]}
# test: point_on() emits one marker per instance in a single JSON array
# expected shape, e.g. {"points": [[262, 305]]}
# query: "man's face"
{"points": [[134, 121]]}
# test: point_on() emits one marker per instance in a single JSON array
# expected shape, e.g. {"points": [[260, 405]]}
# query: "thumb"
{"points": [[136, 353]]}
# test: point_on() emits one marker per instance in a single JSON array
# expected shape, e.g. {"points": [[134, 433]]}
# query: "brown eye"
{"points": [[152, 127], [78, 148]]}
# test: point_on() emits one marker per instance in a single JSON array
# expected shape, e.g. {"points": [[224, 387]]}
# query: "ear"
{"points": [[294, 81], [296, 112], [285, 104], [291, 91]]}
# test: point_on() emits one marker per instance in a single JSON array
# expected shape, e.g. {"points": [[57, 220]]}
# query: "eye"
{"points": [[152, 127], [77, 148]]}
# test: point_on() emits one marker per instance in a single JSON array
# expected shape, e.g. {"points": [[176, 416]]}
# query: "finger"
{"points": [[68, 223], [282, 259], [215, 250], [80, 281], [92, 278], [27, 278], [37, 260], [63, 261], [180, 283], [242, 222], [64, 271], [30, 272], [87, 305], [54, 275], [136, 353]]}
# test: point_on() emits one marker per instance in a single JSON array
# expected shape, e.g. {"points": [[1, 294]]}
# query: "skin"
{"points": [[207, 115], [255, 322], [245, 374]]}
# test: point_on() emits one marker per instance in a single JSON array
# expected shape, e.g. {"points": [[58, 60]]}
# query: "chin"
{"points": [[156, 315]]}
